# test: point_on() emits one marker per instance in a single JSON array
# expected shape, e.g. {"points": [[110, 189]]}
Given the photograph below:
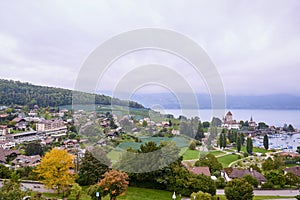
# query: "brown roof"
{"points": [[17, 119], [239, 173], [7, 152], [295, 170], [27, 160], [200, 170]]}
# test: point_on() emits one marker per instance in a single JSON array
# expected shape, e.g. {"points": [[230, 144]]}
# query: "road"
{"points": [[282, 193], [37, 187], [279, 193]]}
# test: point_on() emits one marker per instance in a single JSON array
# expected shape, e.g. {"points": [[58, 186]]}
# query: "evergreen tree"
{"points": [[249, 146], [224, 140], [200, 132], [221, 140], [238, 143], [266, 142]]}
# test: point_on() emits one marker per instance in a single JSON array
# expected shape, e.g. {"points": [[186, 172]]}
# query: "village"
{"points": [[212, 149]]}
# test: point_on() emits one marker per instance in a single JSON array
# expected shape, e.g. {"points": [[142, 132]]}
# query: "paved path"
{"points": [[279, 193], [36, 187]]}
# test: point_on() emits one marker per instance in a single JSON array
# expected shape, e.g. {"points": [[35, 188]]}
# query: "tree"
{"points": [[249, 146], [11, 189], [292, 179], [112, 123], [192, 145], [206, 124], [290, 128], [92, 168], [93, 189], [4, 172], [266, 141], [251, 180], [216, 122], [144, 124], [238, 189], [210, 161], [275, 177], [222, 140], [200, 132], [54, 169], [268, 164], [34, 148], [262, 125], [115, 183], [238, 143], [76, 191]]}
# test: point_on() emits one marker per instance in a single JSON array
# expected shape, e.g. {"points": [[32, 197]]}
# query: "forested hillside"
{"points": [[16, 92]]}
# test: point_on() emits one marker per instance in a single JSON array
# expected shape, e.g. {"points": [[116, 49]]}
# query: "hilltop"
{"points": [[20, 93]]}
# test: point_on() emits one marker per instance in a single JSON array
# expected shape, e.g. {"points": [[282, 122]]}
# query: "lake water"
{"points": [[270, 117], [281, 141]]}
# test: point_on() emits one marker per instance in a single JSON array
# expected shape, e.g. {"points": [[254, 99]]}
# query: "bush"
{"points": [[263, 154], [201, 196], [220, 183], [238, 189], [251, 180], [297, 197], [246, 154], [267, 185]]}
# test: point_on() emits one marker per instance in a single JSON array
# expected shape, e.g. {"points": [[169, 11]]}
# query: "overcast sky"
{"points": [[255, 45]]}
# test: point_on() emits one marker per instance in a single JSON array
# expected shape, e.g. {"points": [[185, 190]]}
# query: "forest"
{"points": [[19, 93]]}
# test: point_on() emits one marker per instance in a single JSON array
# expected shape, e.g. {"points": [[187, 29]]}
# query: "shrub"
{"points": [[267, 185], [201, 196], [238, 189], [246, 154], [220, 183]]}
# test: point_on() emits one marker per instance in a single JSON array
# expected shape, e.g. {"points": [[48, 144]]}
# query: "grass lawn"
{"points": [[134, 193], [255, 150], [114, 155], [227, 159], [191, 154], [217, 153]]}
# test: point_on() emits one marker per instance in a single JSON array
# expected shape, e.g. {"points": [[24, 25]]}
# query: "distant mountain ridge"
{"points": [[20, 93], [274, 101]]}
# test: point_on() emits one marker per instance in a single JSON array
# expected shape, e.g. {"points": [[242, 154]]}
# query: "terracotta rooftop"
{"points": [[239, 173], [295, 170], [200, 170]]}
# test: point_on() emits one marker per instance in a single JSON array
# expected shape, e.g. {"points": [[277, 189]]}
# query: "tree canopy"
{"points": [[16, 92], [114, 183], [238, 189], [55, 170]]}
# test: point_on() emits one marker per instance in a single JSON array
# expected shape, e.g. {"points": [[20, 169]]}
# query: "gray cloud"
{"points": [[254, 45]]}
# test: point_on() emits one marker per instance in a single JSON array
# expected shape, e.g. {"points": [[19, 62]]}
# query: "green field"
{"points": [[227, 159], [180, 142], [134, 193], [191, 154], [255, 150], [217, 153]]}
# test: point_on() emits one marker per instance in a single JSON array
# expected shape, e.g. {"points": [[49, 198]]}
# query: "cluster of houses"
{"points": [[22, 125]]}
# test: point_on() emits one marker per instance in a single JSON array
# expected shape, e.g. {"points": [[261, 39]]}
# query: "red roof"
{"points": [[200, 170]]}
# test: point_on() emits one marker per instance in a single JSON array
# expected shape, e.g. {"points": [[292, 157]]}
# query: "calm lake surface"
{"points": [[271, 117]]}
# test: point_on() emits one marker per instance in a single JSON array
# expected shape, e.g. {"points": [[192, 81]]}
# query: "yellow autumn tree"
{"points": [[55, 170]]}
